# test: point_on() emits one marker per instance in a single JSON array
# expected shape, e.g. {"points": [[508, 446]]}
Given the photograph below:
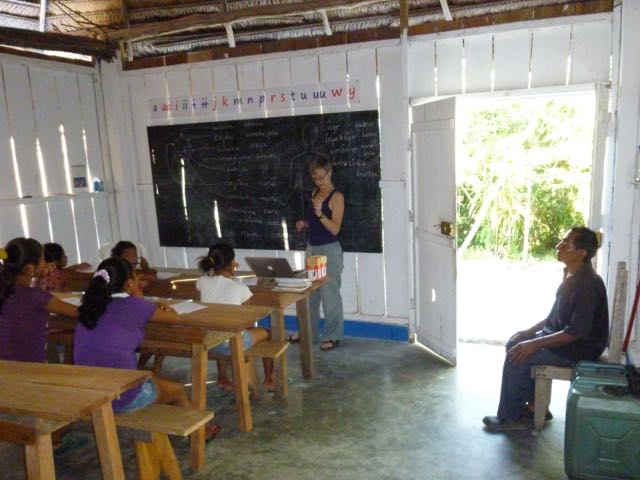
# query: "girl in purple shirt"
{"points": [[110, 328], [24, 309]]}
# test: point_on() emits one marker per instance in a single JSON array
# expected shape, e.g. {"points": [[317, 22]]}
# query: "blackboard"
{"points": [[243, 181]]}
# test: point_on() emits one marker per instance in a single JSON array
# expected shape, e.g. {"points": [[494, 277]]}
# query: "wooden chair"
{"points": [[545, 374]]}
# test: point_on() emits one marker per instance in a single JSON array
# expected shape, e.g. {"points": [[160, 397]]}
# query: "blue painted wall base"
{"points": [[381, 331]]}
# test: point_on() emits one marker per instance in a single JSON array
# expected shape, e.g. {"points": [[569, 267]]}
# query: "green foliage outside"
{"points": [[524, 174]]}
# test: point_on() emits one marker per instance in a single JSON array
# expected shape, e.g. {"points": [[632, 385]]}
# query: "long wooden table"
{"points": [[183, 286], [197, 333], [37, 399]]}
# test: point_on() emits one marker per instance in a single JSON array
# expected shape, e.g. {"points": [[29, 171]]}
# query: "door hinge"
{"points": [[412, 217]]}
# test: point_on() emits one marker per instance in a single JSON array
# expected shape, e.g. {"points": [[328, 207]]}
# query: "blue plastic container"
{"points": [[602, 430]]}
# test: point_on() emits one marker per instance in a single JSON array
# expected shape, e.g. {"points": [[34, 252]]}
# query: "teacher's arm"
{"points": [[336, 204]]}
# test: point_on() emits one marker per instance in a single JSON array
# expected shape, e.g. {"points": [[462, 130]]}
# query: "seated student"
{"points": [[218, 286], [24, 309], [128, 250], [53, 277], [577, 328], [110, 328]]}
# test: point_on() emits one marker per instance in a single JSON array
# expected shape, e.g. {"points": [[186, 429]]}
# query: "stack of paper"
{"points": [[292, 284]]}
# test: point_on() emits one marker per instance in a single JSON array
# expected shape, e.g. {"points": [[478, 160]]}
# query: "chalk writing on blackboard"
{"points": [[246, 181]]}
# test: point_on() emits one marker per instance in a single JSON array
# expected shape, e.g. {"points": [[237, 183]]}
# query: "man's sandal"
{"points": [[327, 345]]}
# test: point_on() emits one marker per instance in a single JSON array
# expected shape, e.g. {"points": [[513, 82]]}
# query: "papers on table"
{"points": [[166, 275], [87, 269], [292, 284], [187, 307], [77, 301]]}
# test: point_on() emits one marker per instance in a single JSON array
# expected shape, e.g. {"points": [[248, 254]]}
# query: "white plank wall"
{"points": [[8, 187], [48, 121], [511, 53], [36, 98], [11, 225], [504, 59], [87, 90], [449, 61], [22, 122], [478, 55], [549, 55], [590, 52]]}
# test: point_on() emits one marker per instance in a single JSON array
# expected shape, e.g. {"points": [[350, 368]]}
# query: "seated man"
{"points": [[577, 328]]}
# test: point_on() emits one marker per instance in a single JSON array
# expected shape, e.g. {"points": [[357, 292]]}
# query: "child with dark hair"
{"points": [[53, 277], [24, 309], [128, 250], [217, 286], [110, 328]]}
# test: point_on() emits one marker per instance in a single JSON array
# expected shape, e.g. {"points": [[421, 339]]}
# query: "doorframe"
{"points": [[601, 161]]}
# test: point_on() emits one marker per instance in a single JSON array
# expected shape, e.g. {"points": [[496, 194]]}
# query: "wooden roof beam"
{"points": [[208, 20], [56, 41], [404, 16]]}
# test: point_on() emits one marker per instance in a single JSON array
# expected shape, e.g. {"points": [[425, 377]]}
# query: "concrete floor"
{"points": [[376, 410]]}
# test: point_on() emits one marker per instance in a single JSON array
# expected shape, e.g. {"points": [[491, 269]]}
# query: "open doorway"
{"points": [[523, 177]]}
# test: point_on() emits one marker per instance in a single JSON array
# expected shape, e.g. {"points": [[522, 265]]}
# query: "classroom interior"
{"points": [[77, 166]]}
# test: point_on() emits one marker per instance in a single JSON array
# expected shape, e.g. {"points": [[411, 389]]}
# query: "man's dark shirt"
{"points": [[580, 310]]}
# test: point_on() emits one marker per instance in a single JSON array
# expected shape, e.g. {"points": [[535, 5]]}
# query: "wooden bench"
{"points": [[149, 428], [265, 349]]}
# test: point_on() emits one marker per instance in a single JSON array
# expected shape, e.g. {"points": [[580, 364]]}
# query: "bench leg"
{"points": [[542, 400], [39, 459], [143, 359], [157, 363], [156, 458], [254, 380], [199, 366]]}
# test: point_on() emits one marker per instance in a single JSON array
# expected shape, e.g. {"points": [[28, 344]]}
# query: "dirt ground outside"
{"points": [[496, 298]]}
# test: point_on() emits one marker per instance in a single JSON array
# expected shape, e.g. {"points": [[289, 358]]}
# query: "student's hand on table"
{"points": [[165, 307], [520, 352]]}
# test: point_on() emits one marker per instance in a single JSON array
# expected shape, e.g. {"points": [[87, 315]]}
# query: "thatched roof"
{"points": [[164, 27]]}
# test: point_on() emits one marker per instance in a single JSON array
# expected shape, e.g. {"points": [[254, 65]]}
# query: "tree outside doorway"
{"points": [[523, 179]]}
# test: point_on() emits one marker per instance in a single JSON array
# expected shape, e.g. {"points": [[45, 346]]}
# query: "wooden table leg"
{"points": [[306, 338], [240, 383], [39, 459], [199, 365], [104, 428], [278, 334]]}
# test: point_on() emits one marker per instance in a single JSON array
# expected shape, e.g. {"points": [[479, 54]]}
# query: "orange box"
{"points": [[316, 267]]}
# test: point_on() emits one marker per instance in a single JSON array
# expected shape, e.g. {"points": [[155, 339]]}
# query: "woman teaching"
{"points": [[324, 219]]}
